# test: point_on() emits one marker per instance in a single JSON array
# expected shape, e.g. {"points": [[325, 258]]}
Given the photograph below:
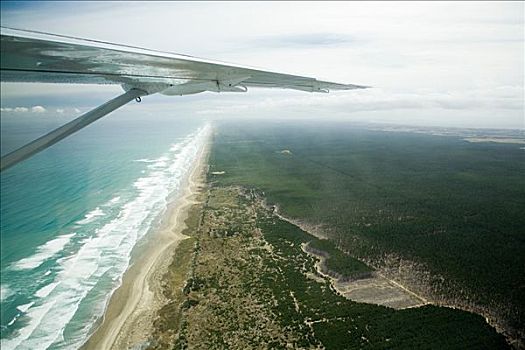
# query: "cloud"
{"points": [[439, 58], [60, 110], [303, 40], [34, 109], [38, 109], [503, 98]]}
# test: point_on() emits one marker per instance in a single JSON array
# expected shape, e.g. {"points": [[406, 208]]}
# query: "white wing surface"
{"points": [[29, 56]]}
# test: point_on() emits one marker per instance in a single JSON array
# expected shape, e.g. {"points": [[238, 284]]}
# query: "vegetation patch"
{"points": [[336, 263], [437, 213], [250, 290]]}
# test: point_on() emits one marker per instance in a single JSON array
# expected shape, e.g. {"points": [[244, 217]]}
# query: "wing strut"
{"points": [[65, 130]]}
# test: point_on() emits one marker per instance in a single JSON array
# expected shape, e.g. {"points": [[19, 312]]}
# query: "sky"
{"points": [[433, 64]]}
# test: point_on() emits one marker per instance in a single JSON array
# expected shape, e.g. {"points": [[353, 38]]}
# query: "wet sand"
{"points": [[129, 316]]}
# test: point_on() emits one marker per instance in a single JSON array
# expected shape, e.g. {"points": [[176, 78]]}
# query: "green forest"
{"points": [[339, 323], [455, 207], [258, 288]]}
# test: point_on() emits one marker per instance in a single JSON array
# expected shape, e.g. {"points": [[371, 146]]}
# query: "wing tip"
{"points": [[339, 86], [354, 86]]}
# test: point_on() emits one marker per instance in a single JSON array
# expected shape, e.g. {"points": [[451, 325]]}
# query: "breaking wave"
{"points": [[61, 311], [44, 252]]}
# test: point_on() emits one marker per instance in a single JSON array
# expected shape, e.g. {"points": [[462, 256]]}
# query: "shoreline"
{"points": [[131, 310]]}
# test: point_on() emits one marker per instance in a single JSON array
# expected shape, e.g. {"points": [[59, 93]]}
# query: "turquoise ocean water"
{"points": [[71, 215]]}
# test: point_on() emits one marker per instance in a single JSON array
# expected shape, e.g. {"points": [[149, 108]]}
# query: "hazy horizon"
{"points": [[430, 64]]}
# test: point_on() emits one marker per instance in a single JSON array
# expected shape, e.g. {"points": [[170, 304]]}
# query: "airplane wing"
{"points": [[31, 56]]}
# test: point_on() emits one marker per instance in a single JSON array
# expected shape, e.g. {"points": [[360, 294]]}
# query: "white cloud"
{"points": [[504, 98], [60, 110], [38, 109], [422, 57], [34, 109], [76, 110]]}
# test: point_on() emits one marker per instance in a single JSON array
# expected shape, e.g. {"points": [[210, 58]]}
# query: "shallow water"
{"points": [[70, 218]]}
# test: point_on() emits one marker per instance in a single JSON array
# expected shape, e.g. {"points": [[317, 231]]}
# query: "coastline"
{"points": [[129, 315]]}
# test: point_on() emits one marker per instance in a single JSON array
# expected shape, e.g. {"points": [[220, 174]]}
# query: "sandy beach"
{"points": [[129, 316]]}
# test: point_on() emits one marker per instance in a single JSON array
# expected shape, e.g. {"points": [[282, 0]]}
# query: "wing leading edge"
{"points": [[29, 56]]}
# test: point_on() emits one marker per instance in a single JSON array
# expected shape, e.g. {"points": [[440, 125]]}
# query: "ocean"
{"points": [[71, 215]]}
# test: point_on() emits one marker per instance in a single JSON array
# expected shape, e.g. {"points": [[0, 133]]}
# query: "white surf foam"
{"points": [[105, 254], [44, 291], [161, 162], [91, 216], [43, 253], [113, 201], [13, 320], [175, 147], [36, 315], [144, 160], [24, 307], [5, 292]]}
